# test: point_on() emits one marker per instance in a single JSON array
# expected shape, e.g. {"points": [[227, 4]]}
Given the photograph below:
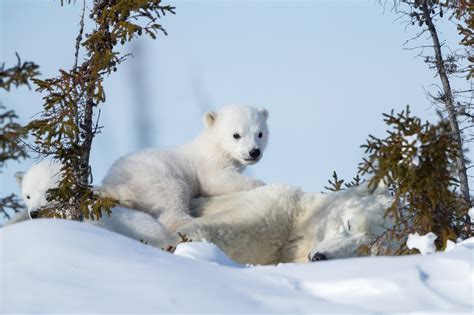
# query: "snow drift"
{"points": [[56, 266]]}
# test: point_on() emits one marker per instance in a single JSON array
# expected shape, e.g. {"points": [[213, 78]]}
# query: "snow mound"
{"points": [[57, 266], [424, 243], [450, 245], [205, 252]]}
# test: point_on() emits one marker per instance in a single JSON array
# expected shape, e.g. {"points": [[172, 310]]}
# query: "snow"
{"points": [[415, 144], [57, 266], [450, 245], [471, 214], [206, 252], [424, 243]]}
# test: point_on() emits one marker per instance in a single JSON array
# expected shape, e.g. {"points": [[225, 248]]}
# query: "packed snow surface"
{"points": [[424, 243], [56, 266]]}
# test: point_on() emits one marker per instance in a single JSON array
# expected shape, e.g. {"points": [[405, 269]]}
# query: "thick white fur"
{"points": [[131, 223], [162, 182], [267, 225], [278, 223]]}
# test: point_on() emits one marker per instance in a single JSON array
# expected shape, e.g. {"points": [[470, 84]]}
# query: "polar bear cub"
{"points": [[46, 174], [162, 182]]}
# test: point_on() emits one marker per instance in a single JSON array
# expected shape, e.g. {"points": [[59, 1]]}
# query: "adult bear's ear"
{"points": [[209, 118], [263, 112], [19, 177]]}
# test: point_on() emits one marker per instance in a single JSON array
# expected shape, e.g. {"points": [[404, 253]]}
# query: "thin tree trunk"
{"points": [[83, 171], [449, 103], [88, 132]]}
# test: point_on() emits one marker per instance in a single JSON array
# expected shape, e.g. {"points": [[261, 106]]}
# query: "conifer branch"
{"points": [[415, 160], [68, 123], [11, 132]]}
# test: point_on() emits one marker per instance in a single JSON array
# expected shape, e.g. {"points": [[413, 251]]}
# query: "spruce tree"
{"points": [[12, 134], [416, 160], [69, 122], [447, 63]]}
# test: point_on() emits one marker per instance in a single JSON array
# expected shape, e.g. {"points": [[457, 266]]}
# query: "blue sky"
{"points": [[325, 70]]}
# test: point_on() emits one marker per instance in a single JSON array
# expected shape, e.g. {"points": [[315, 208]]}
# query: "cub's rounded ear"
{"points": [[19, 177], [209, 118], [263, 112]]}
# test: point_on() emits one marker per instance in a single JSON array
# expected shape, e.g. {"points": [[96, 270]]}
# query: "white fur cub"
{"points": [[162, 182], [46, 174]]}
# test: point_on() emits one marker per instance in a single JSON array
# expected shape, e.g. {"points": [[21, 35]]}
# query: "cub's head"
{"points": [[240, 131], [35, 182]]}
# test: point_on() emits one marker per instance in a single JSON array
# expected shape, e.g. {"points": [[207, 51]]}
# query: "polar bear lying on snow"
{"points": [[44, 175], [163, 182], [267, 225]]}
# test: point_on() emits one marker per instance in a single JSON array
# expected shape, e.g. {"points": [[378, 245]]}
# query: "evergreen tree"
{"points": [[69, 121], [457, 104], [335, 184], [11, 132], [464, 10], [416, 159]]}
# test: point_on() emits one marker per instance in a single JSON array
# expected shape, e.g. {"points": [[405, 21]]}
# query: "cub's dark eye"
{"points": [[28, 197], [260, 134], [236, 136]]}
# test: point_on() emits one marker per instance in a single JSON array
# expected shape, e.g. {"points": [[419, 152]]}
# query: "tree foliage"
{"points": [[447, 64], [424, 12], [465, 15], [336, 184], [416, 160], [18, 75], [11, 132], [69, 119]]}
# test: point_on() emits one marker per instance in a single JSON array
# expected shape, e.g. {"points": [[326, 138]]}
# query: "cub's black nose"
{"points": [[34, 214], [255, 153], [318, 257]]}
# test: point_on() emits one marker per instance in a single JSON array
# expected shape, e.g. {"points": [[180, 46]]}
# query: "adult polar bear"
{"points": [[267, 225], [163, 182], [279, 224]]}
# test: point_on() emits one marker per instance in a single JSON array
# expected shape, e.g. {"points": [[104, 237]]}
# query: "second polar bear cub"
{"points": [[162, 182]]}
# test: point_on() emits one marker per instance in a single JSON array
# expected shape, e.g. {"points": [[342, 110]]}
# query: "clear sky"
{"points": [[325, 70]]}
